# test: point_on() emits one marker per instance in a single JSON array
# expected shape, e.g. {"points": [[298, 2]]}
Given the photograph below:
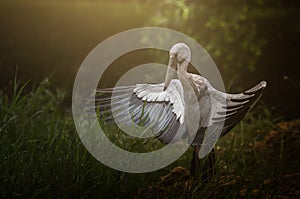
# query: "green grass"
{"points": [[42, 156]]}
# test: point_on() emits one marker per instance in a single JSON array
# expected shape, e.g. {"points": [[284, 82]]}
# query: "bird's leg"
{"points": [[195, 164], [208, 167], [202, 169]]}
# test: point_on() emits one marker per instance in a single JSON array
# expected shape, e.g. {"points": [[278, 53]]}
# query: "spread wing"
{"points": [[163, 112], [226, 111], [146, 105], [235, 106]]}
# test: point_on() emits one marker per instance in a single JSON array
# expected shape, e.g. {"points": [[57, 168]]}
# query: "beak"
{"points": [[170, 71]]}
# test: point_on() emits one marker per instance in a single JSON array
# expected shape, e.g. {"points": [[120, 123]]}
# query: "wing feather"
{"points": [[161, 111], [230, 109]]}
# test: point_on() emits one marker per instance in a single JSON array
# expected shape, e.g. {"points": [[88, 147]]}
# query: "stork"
{"points": [[167, 107]]}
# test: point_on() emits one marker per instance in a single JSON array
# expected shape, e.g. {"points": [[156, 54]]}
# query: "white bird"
{"points": [[166, 108]]}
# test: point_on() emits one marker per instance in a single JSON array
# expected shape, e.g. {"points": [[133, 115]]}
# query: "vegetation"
{"points": [[238, 35], [41, 155]]}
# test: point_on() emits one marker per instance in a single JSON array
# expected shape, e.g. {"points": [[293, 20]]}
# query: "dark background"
{"points": [[250, 41], [44, 42]]}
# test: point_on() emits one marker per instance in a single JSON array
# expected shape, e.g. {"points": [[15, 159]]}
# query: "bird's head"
{"points": [[180, 56], [181, 52]]}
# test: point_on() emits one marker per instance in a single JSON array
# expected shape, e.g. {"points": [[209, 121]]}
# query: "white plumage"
{"points": [[155, 93], [165, 107]]}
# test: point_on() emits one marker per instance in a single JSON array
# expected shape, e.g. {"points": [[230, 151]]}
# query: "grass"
{"points": [[42, 156]]}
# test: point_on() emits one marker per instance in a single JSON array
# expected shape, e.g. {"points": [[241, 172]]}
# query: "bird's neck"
{"points": [[183, 75], [187, 82], [182, 68]]}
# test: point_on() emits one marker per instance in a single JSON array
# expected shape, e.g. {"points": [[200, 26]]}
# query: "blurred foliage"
{"points": [[230, 30], [249, 40]]}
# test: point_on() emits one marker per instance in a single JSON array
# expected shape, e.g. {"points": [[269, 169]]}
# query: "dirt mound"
{"points": [[282, 144]]}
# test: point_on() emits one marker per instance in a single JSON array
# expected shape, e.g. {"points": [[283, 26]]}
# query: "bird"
{"points": [[168, 108]]}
